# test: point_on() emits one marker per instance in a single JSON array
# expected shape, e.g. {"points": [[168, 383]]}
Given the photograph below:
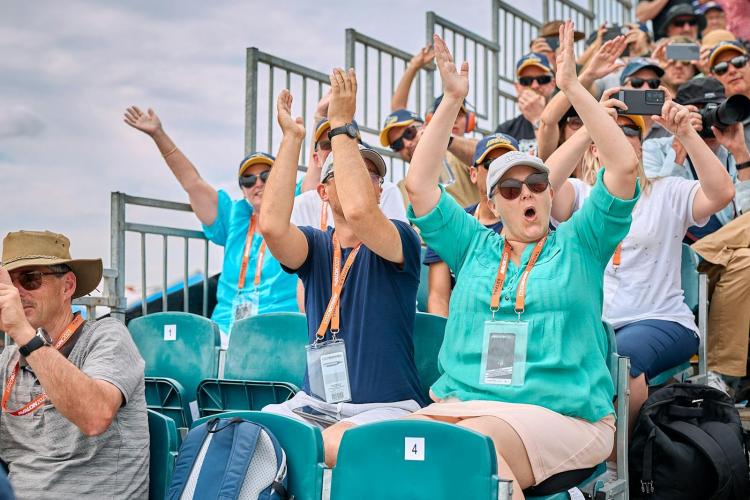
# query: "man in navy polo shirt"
{"points": [[374, 376]]}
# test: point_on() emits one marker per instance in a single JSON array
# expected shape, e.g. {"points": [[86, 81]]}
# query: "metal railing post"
{"points": [[251, 100], [117, 254]]}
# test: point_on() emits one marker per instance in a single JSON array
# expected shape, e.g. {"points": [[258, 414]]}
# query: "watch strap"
{"points": [[31, 346], [743, 165], [344, 129]]}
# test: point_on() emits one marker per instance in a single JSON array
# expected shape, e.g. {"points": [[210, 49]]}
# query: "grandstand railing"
{"points": [[583, 17], [613, 11], [482, 55], [121, 226]]}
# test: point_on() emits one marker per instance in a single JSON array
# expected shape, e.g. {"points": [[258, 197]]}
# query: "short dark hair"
{"points": [[60, 268]]}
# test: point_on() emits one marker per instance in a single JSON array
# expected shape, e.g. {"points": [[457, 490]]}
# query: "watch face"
{"points": [[351, 130], [41, 332]]}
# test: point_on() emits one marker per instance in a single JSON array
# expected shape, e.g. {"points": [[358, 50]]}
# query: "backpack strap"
{"points": [[185, 460]]}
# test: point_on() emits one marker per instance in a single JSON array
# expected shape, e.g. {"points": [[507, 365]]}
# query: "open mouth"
{"points": [[530, 214]]}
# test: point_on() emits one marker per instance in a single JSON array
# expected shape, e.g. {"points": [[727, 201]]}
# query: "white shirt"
{"points": [[307, 206], [648, 282]]}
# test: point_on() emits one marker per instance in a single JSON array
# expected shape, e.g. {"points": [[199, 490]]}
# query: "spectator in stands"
{"points": [[376, 305], [73, 421], [644, 74], [715, 17], [671, 17], [534, 87], [654, 326], [675, 72], [708, 43], [536, 432], [724, 242], [251, 280], [440, 276]]}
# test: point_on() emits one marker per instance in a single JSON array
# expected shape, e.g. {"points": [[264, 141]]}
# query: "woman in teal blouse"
{"points": [[524, 359]]}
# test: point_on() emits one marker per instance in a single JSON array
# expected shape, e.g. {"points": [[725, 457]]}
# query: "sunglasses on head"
{"points": [[527, 81], [691, 21], [248, 181], [574, 122], [32, 280], [409, 134], [510, 189], [721, 68], [630, 130], [653, 83]]}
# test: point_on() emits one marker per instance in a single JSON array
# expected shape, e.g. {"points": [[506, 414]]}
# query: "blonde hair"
{"points": [[590, 168]]}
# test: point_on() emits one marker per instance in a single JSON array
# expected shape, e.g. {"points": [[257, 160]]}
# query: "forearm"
{"points": [[353, 182], [423, 175], [547, 139], [439, 280], [78, 397], [400, 97], [463, 149], [278, 194], [563, 161], [714, 179], [646, 11], [588, 53]]}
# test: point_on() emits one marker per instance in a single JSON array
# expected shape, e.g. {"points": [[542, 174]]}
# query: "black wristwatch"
{"points": [[743, 165], [349, 129], [41, 339]]}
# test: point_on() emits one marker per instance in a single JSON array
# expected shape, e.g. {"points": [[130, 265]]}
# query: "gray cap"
{"points": [[509, 160], [367, 154]]}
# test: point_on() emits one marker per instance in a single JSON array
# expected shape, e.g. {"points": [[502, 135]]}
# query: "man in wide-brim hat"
{"points": [[73, 421]]}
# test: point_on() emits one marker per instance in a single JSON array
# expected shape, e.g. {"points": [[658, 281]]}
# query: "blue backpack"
{"points": [[228, 459]]}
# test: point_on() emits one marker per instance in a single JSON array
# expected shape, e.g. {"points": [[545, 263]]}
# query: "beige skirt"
{"points": [[554, 443]]}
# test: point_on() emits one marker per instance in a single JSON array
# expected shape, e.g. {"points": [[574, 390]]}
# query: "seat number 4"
{"points": [[414, 449]]}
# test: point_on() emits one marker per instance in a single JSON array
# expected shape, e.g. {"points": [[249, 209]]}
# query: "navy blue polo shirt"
{"points": [[378, 307]]}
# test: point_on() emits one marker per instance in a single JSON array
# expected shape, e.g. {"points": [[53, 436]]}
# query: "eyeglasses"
{"points": [[574, 122], [721, 68], [527, 81], [631, 130], [653, 83], [409, 134], [32, 280], [323, 145], [510, 189], [690, 21], [248, 181]]}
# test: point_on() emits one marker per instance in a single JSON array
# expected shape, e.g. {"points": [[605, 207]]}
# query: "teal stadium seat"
{"points": [[180, 349], [265, 364], [303, 445], [429, 330], [163, 451]]}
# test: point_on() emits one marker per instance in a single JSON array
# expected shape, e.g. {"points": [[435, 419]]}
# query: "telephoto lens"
{"points": [[733, 110]]}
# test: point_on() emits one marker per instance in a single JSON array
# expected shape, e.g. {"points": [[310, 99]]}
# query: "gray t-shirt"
{"points": [[49, 457]]}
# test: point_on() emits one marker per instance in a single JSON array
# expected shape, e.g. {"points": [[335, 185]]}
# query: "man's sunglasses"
{"points": [[574, 122], [721, 68], [323, 145], [653, 83], [510, 189], [631, 130], [527, 81], [409, 134], [248, 181], [32, 280], [692, 21]]}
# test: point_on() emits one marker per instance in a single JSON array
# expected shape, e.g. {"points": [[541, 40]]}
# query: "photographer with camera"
{"points": [[724, 242]]}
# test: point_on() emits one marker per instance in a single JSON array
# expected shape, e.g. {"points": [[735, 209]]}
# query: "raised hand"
{"points": [[732, 138], [321, 110], [455, 83], [566, 59], [675, 118], [531, 105], [289, 125], [610, 104], [343, 97], [12, 318], [604, 61], [423, 57], [145, 122]]}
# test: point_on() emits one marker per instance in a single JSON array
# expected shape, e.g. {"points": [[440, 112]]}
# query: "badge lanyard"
{"points": [[500, 279], [246, 256], [617, 256], [338, 277], [35, 403]]}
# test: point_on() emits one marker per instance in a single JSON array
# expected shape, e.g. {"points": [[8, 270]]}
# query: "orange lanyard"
{"points": [[500, 279], [246, 256], [35, 403], [617, 256], [338, 277], [323, 215]]}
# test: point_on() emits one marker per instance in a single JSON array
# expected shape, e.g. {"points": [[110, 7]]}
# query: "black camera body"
{"points": [[734, 109]]}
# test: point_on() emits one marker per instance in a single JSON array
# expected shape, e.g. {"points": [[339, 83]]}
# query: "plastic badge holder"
{"points": [[245, 303], [327, 371], [504, 353]]}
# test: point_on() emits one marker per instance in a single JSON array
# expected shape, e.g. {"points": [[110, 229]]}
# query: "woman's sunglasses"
{"points": [[32, 280], [653, 83], [527, 81], [248, 181], [631, 130], [510, 189], [721, 68], [409, 134], [574, 122]]}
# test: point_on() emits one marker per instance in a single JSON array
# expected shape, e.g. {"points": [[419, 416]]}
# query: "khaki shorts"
{"points": [[554, 443]]}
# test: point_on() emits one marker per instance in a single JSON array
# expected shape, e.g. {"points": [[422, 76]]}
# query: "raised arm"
{"points": [[314, 165], [400, 99], [647, 10], [203, 198], [615, 153], [356, 190], [463, 148], [285, 241], [716, 189], [424, 171]]}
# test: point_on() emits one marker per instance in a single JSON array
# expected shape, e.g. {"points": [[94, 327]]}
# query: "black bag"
{"points": [[688, 443]]}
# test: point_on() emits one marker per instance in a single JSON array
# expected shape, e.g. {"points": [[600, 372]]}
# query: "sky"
{"points": [[69, 70]]}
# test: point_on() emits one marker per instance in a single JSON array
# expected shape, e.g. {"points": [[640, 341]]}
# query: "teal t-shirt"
{"points": [[566, 359], [277, 290]]}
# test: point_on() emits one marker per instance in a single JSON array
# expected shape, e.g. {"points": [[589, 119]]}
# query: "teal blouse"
{"points": [[566, 359]]}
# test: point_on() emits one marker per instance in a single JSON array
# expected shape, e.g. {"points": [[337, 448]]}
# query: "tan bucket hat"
{"points": [[45, 248]]}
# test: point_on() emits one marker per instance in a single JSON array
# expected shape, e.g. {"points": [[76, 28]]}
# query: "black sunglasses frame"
{"points": [[535, 179], [653, 83], [737, 61], [248, 181], [398, 144], [33, 280], [528, 81]]}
